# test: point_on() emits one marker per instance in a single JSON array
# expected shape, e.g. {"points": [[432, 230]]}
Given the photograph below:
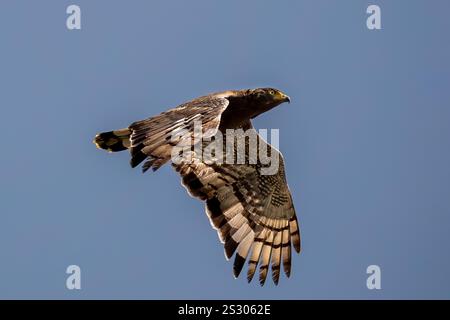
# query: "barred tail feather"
{"points": [[113, 141]]}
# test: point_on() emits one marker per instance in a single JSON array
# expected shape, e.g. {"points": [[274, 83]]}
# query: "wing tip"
{"points": [[239, 262]]}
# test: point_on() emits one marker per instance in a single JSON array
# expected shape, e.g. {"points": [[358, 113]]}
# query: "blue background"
{"points": [[366, 143]]}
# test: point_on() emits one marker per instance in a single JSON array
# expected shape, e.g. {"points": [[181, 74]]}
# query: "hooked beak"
{"points": [[285, 98]]}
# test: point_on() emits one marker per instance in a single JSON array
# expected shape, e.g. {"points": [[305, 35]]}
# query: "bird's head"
{"points": [[267, 98]]}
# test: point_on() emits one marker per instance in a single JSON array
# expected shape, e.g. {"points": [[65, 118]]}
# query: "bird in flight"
{"points": [[252, 211]]}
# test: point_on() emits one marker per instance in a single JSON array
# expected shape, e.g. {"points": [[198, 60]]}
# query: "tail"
{"points": [[113, 141]]}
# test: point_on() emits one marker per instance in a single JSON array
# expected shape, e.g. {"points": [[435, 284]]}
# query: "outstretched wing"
{"points": [[252, 212], [153, 138]]}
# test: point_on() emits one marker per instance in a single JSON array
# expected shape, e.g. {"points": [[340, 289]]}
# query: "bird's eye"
{"points": [[271, 92]]}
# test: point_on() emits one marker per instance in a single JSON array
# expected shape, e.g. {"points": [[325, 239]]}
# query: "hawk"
{"points": [[252, 212]]}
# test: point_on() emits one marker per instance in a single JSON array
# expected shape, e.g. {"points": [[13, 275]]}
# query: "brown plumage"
{"points": [[253, 213]]}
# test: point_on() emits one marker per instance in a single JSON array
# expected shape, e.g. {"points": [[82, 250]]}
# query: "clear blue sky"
{"points": [[365, 139]]}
